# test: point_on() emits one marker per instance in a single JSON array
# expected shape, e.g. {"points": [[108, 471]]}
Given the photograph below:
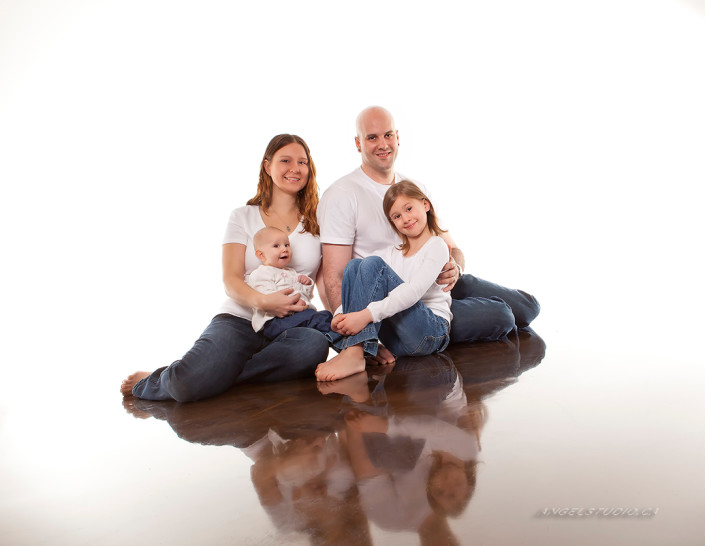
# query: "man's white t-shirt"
{"points": [[244, 222], [350, 213]]}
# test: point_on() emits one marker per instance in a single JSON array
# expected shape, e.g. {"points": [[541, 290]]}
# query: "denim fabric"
{"points": [[308, 318], [230, 352], [485, 311], [413, 331]]}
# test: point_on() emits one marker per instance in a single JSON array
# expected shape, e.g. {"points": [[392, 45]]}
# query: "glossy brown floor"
{"points": [[396, 448], [572, 440]]}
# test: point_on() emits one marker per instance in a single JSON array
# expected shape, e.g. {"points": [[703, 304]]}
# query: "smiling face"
{"points": [[378, 142], [272, 247], [408, 215], [288, 168]]}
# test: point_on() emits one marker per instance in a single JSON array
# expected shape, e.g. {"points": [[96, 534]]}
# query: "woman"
{"points": [[229, 351]]}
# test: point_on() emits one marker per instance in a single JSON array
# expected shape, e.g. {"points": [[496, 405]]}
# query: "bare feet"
{"points": [[129, 404], [131, 381], [354, 386], [384, 356], [348, 362]]}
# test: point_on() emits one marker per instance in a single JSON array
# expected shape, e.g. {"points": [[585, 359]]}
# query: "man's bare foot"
{"points": [[384, 356], [354, 386], [348, 362], [131, 381]]}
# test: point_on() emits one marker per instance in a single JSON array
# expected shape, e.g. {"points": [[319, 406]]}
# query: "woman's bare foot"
{"points": [[131, 381], [348, 362], [354, 386]]}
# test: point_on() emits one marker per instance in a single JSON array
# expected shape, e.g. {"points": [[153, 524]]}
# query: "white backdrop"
{"points": [[563, 142]]}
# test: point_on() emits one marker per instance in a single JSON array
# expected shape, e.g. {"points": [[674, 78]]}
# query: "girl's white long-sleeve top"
{"points": [[419, 273]]}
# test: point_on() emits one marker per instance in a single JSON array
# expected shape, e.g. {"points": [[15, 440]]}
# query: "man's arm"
{"points": [[451, 272], [455, 252], [335, 258]]}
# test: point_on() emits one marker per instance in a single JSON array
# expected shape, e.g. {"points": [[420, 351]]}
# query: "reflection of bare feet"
{"points": [[354, 386], [131, 381], [348, 362], [129, 404], [381, 370]]}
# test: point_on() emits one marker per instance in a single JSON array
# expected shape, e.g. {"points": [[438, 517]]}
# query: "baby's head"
{"points": [[272, 247]]}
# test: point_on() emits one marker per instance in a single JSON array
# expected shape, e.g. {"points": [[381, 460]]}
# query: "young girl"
{"points": [[393, 297]]}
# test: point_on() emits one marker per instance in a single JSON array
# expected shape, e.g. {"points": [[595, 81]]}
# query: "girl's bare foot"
{"points": [[131, 381], [348, 362]]}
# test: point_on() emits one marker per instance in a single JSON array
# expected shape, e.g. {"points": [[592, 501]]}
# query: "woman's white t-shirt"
{"points": [[244, 222]]}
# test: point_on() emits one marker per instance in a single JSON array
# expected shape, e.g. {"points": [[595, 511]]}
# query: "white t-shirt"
{"points": [[244, 222], [350, 213], [419, 273], [268, 279], [397, 500]]}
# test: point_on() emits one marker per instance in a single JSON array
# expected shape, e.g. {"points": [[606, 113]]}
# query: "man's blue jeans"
{"points": [[229, 352], [485, 311], [413, 331]]}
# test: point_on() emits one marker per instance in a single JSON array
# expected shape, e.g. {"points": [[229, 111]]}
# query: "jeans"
{"points": [[308, 318], [413, 331], [229, 352], [485, 311]]}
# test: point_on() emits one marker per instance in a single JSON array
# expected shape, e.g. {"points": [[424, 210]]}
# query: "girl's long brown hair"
{"points": [[409, 189], [306, 199]]}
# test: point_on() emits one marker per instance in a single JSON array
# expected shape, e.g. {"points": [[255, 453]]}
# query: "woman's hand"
{"points": [[349, 324], [282, 303]]}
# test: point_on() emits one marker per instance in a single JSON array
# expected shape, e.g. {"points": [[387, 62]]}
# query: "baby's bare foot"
{"points": [[131, 381]]}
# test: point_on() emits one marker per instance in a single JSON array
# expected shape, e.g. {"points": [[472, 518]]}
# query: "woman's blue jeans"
{"points": [[229, 352], [413, 331]]}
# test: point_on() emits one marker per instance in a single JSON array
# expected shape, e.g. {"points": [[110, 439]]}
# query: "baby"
{"points": [[273, 249]]}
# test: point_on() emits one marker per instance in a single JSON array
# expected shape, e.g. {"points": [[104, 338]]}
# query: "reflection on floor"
{"points": [[394, 447]]}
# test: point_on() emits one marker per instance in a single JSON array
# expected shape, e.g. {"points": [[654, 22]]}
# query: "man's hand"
{"points": [[349, 324], [449, 275]]}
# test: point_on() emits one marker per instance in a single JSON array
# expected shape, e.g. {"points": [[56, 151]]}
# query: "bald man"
{"points": [[353, 225]]}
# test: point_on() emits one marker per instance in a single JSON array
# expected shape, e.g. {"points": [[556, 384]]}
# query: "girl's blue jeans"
{"points": [[413, 331]]}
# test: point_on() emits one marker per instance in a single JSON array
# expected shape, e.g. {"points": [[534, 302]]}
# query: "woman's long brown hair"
{"points": [[307, 197]]}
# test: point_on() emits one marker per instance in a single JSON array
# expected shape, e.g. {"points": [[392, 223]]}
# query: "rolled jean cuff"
{"points": [[367, 336]]}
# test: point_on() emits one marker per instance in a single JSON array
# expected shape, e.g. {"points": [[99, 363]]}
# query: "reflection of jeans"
{"points": [[230, 352], [413, 331], [483, 310]]}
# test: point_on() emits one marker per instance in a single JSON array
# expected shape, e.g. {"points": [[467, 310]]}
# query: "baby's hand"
{"points": [[303, 279]]}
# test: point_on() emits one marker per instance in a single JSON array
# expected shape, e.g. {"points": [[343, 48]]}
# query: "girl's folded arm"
{"points": [[424, 276]]}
